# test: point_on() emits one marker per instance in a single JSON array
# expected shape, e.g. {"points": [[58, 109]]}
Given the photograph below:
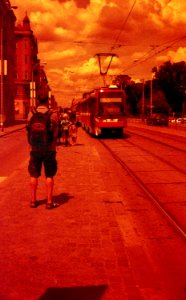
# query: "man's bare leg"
{"points": [[50, 186], [34, 184]]}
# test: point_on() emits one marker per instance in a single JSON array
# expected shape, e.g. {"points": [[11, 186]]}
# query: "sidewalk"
{"points": [[12, 128], [77, 251]]}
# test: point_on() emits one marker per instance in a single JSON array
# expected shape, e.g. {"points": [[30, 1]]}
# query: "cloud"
{"points": [[70, 33], [174, 56]]}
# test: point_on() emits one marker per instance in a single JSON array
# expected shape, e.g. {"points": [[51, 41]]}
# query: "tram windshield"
{"points": [[111, 103]]}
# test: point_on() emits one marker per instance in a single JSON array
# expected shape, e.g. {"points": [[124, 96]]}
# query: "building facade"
{"points": [[7, 62], [26, 59], [31, 79]]}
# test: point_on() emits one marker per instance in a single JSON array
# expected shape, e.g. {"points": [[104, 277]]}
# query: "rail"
{"points": [[168, 215]]}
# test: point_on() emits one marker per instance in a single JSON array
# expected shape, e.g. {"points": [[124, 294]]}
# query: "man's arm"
{"points": [[55, 121]]}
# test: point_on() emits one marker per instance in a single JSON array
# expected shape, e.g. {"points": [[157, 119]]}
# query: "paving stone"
{"points": [[77, 248]]}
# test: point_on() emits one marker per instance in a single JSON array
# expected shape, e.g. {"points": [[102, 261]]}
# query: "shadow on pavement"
{"points": [[62, 198], [62, 144], [75, 293], [59, 199]]}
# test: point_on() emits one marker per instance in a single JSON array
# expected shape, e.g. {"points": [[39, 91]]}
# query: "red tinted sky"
{"points": [[142, 34]]}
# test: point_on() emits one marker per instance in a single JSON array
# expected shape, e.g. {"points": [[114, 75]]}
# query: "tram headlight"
{"points": [[97, 131]]}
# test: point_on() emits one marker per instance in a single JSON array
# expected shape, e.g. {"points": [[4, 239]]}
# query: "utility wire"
{"points": [[116, 44], [123, 26], [97, 43], [142, 59]]}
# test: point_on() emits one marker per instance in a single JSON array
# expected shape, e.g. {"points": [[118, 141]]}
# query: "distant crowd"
{"points": [[67, 128]]}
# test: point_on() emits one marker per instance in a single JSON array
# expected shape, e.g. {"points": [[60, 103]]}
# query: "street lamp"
{"points": [[3, 65], [143, 102], [151, 87], [2, 78], [151, 94]]}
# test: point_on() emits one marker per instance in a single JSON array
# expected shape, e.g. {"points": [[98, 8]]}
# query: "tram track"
{"points": [[158, 141], [169, 214], [159, 157]]}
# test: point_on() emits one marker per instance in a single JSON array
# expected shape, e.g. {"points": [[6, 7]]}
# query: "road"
{"points": [[14, 150]]}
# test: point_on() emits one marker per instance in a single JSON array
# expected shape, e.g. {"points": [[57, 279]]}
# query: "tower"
{"points": [[26, 58]]}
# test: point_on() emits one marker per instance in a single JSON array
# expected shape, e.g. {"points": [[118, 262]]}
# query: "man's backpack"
{"points": [[40, 129]]}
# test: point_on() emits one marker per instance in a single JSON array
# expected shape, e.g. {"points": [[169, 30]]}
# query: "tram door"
{"points": [[92, 111]]}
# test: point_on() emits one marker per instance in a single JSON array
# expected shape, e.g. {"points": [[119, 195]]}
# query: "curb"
{"points": [[11, 131]]}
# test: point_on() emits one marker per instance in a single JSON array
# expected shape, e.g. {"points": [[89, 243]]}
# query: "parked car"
{"points": [[177, 120], [158, 119]]}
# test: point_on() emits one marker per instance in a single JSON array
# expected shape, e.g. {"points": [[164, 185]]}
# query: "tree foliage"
{"points": [[172, 81], [134, 93], [168, 89]]}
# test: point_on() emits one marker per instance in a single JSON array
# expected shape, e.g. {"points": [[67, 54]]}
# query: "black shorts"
{"points": [[47, 158], [65, 133]]}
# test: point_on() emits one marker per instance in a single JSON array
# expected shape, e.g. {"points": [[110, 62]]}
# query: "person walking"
{"points": [[42, 127], [73, 132], [65, 124], [59, 129]]}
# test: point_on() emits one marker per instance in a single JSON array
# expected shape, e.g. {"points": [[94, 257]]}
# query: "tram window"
{"points": [[92, 104], [111, 97], [111, 108]]}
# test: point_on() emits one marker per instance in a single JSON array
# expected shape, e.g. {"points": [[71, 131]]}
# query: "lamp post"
{"points": [[3, 65], [2, 77], [151, 95], [151, 88], [143, 102]]}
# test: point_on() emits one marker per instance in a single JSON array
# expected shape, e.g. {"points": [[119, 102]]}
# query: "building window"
{"points": [[27, 92], [26, 59]]}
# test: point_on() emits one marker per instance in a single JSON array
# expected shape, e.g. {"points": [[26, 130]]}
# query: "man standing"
{"points": [[42, 134]]}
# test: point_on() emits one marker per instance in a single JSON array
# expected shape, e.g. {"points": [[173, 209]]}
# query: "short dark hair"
{"points": [[43, 99]]}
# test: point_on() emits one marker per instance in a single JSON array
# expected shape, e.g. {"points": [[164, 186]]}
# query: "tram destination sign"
{"points": [[109, 100]]}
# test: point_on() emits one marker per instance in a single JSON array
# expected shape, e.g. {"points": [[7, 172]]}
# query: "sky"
{"points": [[71, 35]]}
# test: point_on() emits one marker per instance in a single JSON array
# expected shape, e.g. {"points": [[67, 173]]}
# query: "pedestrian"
{"points": [[42, 127], [65, 124], [73, 132], [59, 129]]}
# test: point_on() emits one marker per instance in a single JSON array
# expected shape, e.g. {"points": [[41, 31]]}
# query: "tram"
{"points": [[103, 111]]}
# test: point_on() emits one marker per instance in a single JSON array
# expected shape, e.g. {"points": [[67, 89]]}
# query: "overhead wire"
{"points": [[121, 30], [123, 25], [115, 44], [142, 59]]}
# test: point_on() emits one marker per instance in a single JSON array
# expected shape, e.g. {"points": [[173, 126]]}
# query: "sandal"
{"points": [[33, 204], [51, 205]]}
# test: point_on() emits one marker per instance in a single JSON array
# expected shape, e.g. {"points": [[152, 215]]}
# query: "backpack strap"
{"points": [[34, 110]]}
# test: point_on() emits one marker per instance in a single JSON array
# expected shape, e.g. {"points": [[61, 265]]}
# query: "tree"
{"points": [[134, 94], [172, 81], [160, 103]]}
